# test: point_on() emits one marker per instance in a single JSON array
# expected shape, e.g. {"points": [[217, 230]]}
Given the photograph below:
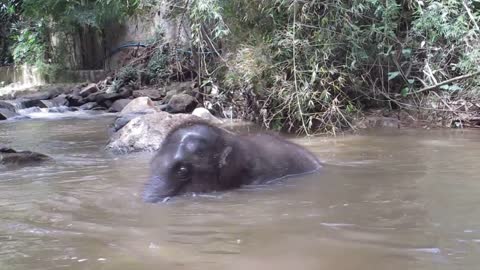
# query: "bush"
{"points": [[312, 66]]}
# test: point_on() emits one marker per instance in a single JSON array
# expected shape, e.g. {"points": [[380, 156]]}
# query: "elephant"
{"points": [[197, 157]]}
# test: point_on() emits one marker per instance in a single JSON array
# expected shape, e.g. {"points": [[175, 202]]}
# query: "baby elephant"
{"points": [[198, 157]]}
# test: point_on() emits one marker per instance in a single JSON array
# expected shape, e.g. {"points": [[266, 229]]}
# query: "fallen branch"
{"points": [[446, 82], [470, 15]]}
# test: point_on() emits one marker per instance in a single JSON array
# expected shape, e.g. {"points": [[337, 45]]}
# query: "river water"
{"points": [[391, 199]]}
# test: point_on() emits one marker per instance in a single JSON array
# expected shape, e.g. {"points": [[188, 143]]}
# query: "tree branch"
{"points": [[466, 76]]}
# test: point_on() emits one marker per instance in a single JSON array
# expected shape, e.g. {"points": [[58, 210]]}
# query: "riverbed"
{"points": [[386, 199]]}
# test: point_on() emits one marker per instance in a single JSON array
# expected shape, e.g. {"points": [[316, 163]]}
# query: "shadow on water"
{"points": [[385, 200]]}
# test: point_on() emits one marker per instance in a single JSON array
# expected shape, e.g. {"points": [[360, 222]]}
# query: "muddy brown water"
{"points": [[401, 199]]}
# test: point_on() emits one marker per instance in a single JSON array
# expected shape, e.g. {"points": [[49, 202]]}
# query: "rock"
{"points": [[102, 97], [119, 105], [146, 132], [75, 100], [88, 106], [9, 157], [6, 149], [178, 88], [141, 104], [60, 100], [161, 107], [99, 108], [122, 94], [32, 103], [88, 90], [205, 114], [35, 100], [153, 94], [108, 103], [121, 121], [377, 122], [181, 103], [7, 114], [8, 106], [38, 96], [75, 91], [92, 97]]}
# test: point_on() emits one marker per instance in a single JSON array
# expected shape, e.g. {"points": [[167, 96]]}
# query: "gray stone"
{"points": [[10, 157], [146, 132], [119, 105], [60, 100], [153, 94], [92, 97], [141, 104], [7, 114], [181, 103], [88, 106], [122, 94], [88, 90], [178, 88], [7, 105], [75, 100], [205, 114]]}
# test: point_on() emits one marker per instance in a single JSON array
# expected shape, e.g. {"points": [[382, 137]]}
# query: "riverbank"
{"points": [[184, 97]]}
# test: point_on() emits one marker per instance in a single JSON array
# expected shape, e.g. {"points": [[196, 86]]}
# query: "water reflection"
{"points": [[386, 200]]}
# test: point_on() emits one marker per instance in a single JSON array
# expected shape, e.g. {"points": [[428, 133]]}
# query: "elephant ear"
{"points": [[224, 156]]}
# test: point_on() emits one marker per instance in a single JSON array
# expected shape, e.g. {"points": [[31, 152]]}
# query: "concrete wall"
{"points": [[93, 75], [145, 29], [24, 74], [29, 76]]}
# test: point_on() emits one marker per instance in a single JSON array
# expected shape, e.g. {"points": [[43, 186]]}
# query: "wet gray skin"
{"points": [[200, 158]]}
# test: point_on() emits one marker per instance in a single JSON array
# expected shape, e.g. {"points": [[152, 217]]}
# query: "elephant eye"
{"points": [[183, 172]]}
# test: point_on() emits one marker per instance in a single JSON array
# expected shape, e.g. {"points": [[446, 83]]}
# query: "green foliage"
{"points": [[32, 24], [157, 67], [94, 13], [127, 74], [30, 44], [206, 17], [8, 17], [312, 65]]}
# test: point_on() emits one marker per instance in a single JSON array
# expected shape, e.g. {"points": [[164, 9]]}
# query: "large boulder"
{"points": [[146, 132], [7, 114], [88, 90], [141, 104], [35, 100], [11, 157], [205, 114], [60, 100], [7, 105], [107, 99], [124, 93], [119, 105], [38, 96], [88, 106], [181, 103], [75, 100], [122, 120], [34, 103], [92, 97], [178, 88], [51, 103], [153, 94]]}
